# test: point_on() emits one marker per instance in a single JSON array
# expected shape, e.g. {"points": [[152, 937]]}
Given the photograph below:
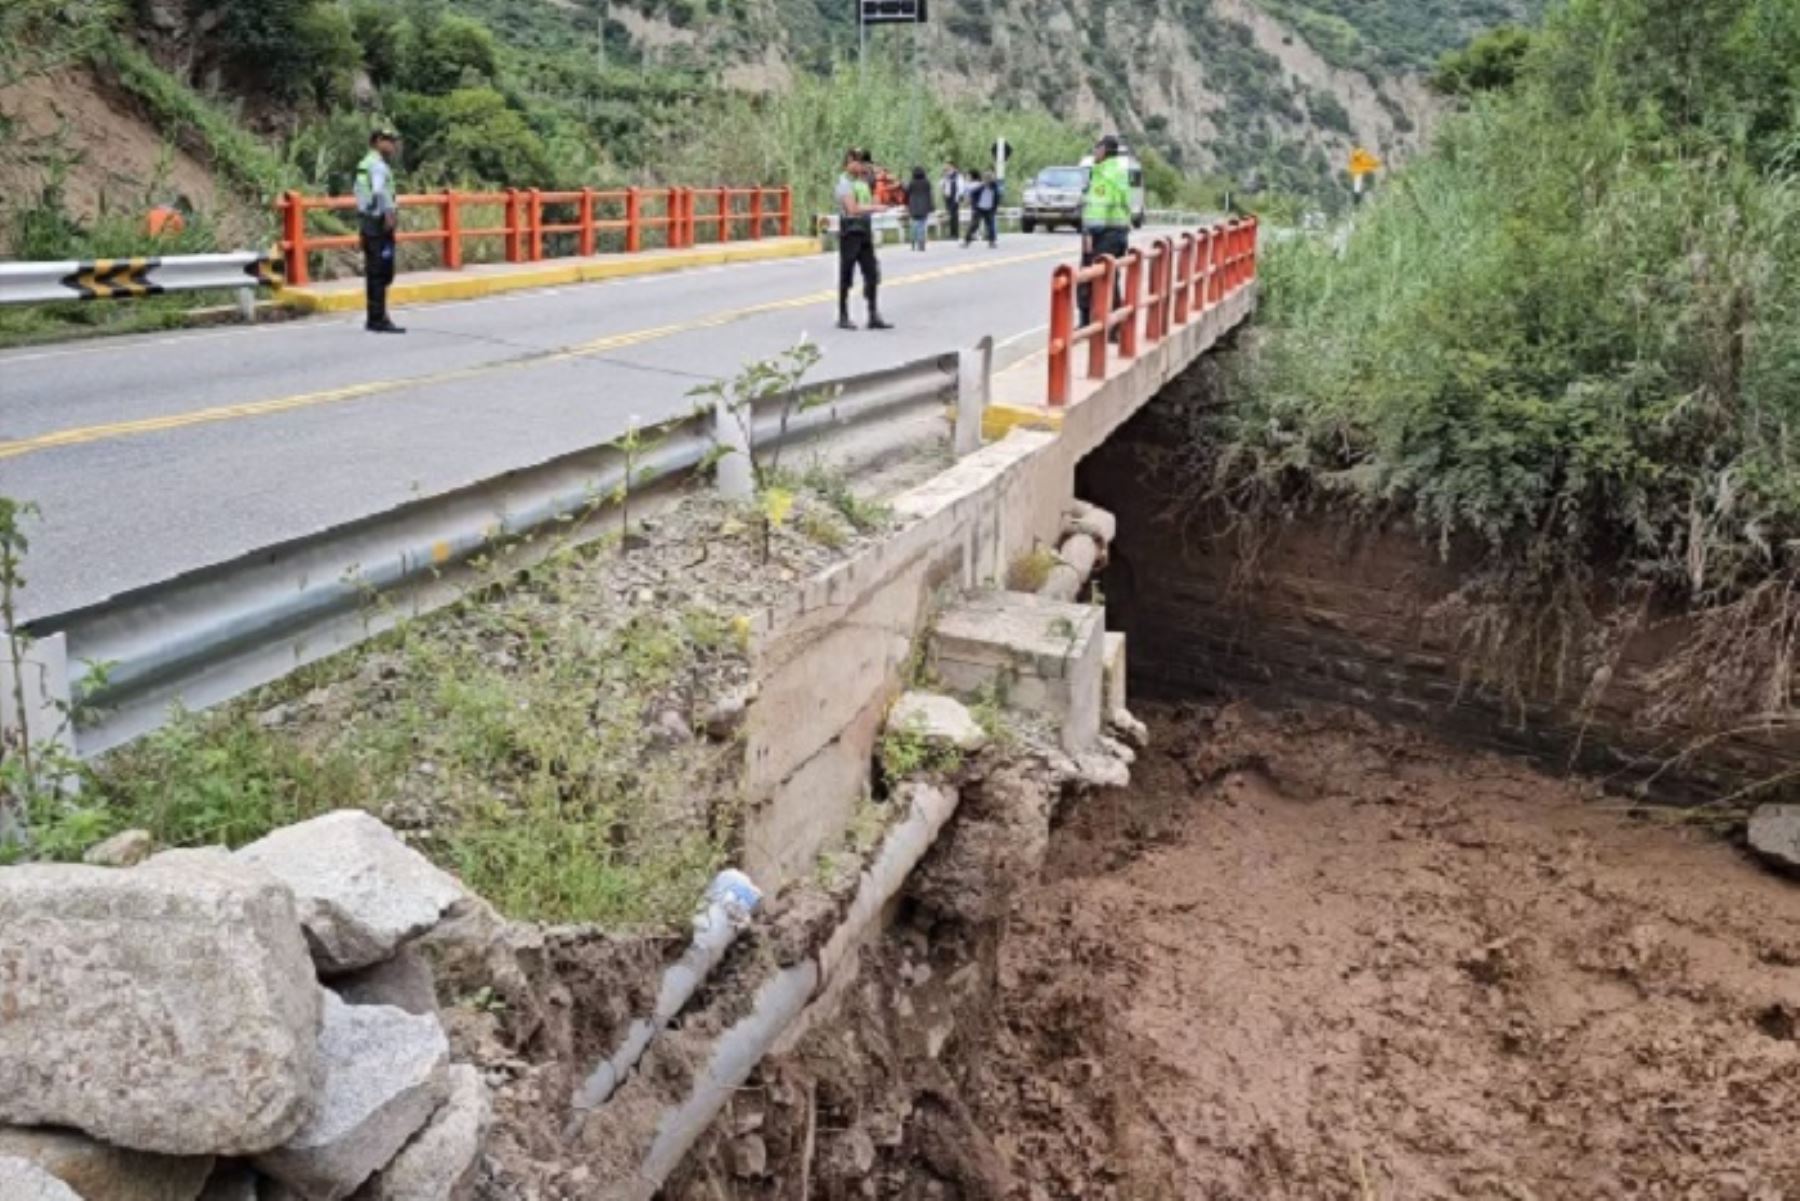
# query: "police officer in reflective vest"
{"points": [[378, 215], [856, 239], [1105, 217]]}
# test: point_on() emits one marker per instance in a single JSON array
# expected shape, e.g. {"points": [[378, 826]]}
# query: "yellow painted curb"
{"points": [[554, 274], [999, 420]]}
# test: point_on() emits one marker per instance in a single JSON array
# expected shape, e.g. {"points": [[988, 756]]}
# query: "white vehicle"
{"points": [[1057, 195]]}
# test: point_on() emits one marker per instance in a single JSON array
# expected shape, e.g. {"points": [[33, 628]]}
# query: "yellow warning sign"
{"points": [[1363, 163]]}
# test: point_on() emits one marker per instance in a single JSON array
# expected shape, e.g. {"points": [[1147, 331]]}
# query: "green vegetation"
{"points": [[1385, 36], [1567, 338]]}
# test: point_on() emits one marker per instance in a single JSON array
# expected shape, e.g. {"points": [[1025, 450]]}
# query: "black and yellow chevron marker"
{"points": [[113, 279], [270, 272]]}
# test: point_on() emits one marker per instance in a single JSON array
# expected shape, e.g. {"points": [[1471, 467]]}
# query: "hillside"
{"points": [[112, 108]]}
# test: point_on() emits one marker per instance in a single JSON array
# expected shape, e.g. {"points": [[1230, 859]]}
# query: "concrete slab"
{"points": [[1045, 656], [1113, 658]]}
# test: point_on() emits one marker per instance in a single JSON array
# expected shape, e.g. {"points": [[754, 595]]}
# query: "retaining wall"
{"points": [[830, 660]]}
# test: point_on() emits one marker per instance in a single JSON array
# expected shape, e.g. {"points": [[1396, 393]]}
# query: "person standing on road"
{"points": [[378, 215], [919, 206], [984, 205], [856, 239], [1105, 217], [951, 187]]}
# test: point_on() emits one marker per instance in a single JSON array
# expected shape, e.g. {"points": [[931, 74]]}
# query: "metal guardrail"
{"points": [[212, 634], [134, 278]]}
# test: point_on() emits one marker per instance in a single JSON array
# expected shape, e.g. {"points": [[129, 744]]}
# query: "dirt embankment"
{"points": [[1326, 959]]}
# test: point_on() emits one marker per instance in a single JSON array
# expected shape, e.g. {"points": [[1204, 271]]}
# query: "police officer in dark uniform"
{"points": [[378, 216]]}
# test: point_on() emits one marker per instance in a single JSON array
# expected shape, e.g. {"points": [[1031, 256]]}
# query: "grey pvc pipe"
{"points": [[785, 997], [730, 901]]}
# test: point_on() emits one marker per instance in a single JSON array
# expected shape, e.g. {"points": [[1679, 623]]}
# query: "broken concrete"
{"points": [[1113, 668], [439, 1165], [1774, 834], [939, 720], [362, 892], [103, 1173], [24, 1181], [384, 1077], [405, 982], [1039, 655], [169, 1008]]}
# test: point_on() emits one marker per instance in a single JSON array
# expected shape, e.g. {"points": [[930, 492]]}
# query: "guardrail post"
{"points": [[756, 214], [452, 223], [293, 233], [1134, 295], [1062, 334], [586, 248], [1101, 307], [974, 379], [246, 303], [1197, 285], [734, 474], [787, 211], [634, 234], [536, 245]]}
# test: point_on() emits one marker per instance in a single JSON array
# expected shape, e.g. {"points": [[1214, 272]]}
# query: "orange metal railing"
{"points": [[1174, 281], [534, 222]]}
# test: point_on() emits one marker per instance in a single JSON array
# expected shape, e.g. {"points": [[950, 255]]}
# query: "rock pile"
{"points": [[253, 1026]]}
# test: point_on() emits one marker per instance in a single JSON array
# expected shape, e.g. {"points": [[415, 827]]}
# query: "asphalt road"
{"points": [[156, 455]]}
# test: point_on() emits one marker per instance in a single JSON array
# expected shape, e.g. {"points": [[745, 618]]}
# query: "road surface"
{"points": [[157, 455]]}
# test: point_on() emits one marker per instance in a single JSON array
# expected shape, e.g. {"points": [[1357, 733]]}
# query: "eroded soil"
{"points": [[1322, 958]]}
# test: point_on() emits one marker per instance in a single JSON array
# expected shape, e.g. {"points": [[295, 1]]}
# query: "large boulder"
{"points": [[384, 1078], [363, 893], [169, 1008], [439, 1165], [22, 1180], [105, 1173]]}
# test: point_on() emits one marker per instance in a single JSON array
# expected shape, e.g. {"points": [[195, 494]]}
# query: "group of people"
{"points": [[982, 193]]}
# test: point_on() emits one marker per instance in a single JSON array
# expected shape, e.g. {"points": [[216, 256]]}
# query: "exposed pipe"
{"points": [[785, 997], [731, 899]]}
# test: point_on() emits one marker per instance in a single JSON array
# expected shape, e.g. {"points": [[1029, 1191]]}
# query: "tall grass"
{"points": [[1571, 332]]}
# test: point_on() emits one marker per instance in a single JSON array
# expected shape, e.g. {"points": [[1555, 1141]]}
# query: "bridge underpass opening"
{"points": [[1353, 934]]}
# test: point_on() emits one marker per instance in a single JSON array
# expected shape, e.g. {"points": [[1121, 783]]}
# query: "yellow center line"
{"points": [[262, 408]]}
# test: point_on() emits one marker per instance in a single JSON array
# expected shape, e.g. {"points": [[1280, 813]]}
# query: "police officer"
{"points": [[856, 238], [378, 215], [1105, 217]]}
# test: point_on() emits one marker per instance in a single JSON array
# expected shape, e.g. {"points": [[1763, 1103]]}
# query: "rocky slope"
{"points": [[1256, 91]]}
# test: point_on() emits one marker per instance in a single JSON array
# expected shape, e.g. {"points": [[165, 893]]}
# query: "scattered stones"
{"points": [[1098, 770], [128, 848], [169, 1008], [942, 720], [102, 1173], [671, 729], [726, 717], [384, 1077], [439, 1165], [1775, 835], [405, 982], [750, 1157], [362, 892], [24, 1181], [1130, 730]]}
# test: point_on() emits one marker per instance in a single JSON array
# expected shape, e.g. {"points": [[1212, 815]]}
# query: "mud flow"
{"points": [[1322, 958]]}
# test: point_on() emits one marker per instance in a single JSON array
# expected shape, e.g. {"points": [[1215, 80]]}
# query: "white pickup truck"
{"points": [[1056, 196]]}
